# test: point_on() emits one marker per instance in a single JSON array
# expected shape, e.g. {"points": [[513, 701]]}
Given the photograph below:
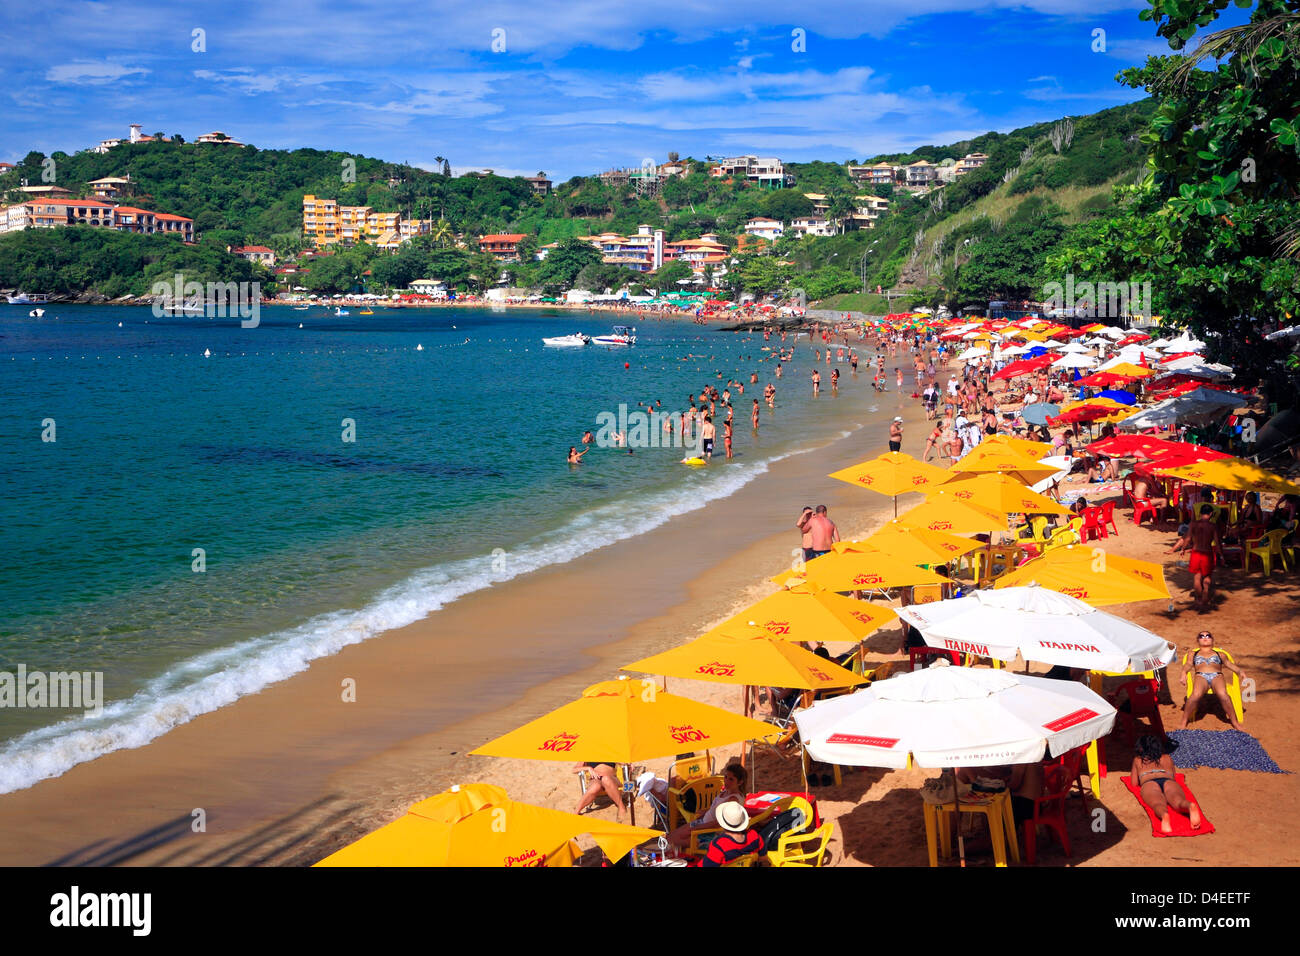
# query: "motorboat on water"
{"points": [[568, 341], [22, 298], [301, 308], [621, 335], [36, 313]]}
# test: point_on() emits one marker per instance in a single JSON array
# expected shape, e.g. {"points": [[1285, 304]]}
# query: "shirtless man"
{"points": [[896, 434], [823, 531], [805, 540], [706, 438], [1204, 541]]}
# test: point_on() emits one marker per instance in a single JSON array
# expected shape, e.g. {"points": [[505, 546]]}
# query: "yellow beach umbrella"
{"points": [[625, 721], [1091, 575], [1093, 403], [479, 825], [805, 611], [1131, 370], [919, 545], [1034, 449], [989, 458], [862, 571], [749, 656], [998, 492], [1233, 474], [893, 473], [943, 512]]}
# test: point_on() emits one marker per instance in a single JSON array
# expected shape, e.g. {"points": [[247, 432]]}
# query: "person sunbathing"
{"points": [[1207, 671], [603, 778], [1153, 773]]}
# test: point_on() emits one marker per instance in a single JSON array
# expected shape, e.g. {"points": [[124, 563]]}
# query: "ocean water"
{"points": [[339, 479]]}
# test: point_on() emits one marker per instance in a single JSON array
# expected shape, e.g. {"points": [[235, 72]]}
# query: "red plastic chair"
{"points": [[1071, 763], [1049, 811], [1093, 525], [916, 653], [1108, 516], [1143, 507], [1142, 704]]}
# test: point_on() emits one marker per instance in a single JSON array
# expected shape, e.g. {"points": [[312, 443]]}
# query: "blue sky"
{"points": [[570, 87]]}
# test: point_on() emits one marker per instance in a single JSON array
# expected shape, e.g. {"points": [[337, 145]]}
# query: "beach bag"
{"points": [[785, 821], [938, 790]]}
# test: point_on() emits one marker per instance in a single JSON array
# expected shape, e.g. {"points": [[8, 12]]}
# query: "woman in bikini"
{"points": [[1153, 774], [1208, 665]]}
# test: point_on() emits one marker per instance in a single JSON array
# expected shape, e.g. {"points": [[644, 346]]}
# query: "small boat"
{"points": [[36, 313], [341, 311], [301, 308], [568, 341], [366, 312], [621, 335]]}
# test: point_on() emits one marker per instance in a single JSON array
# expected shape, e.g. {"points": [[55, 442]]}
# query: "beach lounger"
{"points": [[1180, 824], [1231, 678]]}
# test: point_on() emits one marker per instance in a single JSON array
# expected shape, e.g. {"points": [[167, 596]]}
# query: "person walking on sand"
{"points": [[1204, 541], [896, 434]]}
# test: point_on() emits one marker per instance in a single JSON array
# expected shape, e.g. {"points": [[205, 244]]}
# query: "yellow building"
{"points": [[320, 220], [325, 222]]}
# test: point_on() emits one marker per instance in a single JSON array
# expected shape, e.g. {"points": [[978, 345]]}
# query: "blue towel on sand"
{"points": [[1221, 750]]}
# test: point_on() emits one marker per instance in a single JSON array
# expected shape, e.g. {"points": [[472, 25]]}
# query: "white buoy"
{"points": [[119, 325], [207, 353], [299, 325], [419, 348]]}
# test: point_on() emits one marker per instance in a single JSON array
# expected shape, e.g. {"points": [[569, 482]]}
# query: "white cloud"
{"points": [[91, 72]]}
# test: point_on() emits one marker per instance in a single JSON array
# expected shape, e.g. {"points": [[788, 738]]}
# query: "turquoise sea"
{"points": [[455, 478]]}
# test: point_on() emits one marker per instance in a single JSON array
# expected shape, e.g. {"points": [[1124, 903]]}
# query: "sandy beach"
{"points": [[289, 775]]}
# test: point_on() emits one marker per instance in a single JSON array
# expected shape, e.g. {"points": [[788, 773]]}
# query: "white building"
{"points": [[764, 228], [812, 226]]}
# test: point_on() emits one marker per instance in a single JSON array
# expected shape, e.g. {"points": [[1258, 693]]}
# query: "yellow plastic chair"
{"points": [[702, 837], [1264, 548], [1069, 534], [749, 859], [698, 793], [797, 849], [1037, 532], [691, 768], [1231, 678]]}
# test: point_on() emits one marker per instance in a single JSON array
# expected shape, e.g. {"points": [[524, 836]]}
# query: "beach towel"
{"points": [[1221, 750], [1180, 824]]}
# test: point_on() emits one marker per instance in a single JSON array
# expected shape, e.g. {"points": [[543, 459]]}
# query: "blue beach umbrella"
{"points": [[1034, 352], [1119, 395], [1038, 413]]}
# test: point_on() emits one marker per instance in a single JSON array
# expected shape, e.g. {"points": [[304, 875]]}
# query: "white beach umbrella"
{"points": [[1197, 366], [1011, 351], [1038, 624], [948, 716], [975, 352], [1289, 332], [1074, 347], [1184, 343], [1075, 361], [1064, 465]]}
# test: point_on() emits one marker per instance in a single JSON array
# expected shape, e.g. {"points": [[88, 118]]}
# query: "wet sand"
{"points": [[285, 776]]}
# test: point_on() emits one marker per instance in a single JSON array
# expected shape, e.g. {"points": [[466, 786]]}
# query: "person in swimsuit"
{"points": [[1153, 774], [706, 438], [1207, 666], [575, 456], [726, 433], [1204, 541], [817, 382], [603, 778]]}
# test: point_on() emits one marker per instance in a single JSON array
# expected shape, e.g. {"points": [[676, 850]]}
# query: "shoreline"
{"points": [[303, 715]]}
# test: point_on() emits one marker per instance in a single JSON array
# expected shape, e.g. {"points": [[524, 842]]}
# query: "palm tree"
{"points": [[441, 233]]}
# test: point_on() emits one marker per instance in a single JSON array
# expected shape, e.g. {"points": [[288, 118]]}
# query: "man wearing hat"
{"points": [[737, 840], [896, 434]]}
